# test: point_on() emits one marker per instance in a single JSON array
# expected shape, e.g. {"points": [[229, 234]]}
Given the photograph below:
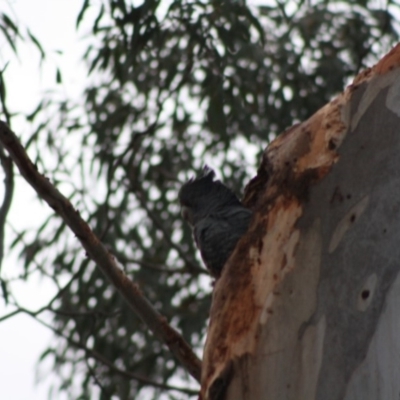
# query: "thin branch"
{"points": [[6, 113], [11, 314], [66, 286], [8, 169], [22, 276], [281, 7], [100, 255], [48, 306], [96, 380]]}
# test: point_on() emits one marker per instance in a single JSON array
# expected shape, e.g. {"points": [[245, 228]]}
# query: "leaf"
{"points": [[97, 20], [10, 24], [58, 76], [4, 289], [37, 44], [9, 39], [82, 13], [3, 91], [18, 239], [30, 117], [46, 353]]}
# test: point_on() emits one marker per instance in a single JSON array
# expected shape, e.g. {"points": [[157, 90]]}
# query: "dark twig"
{"points": [[62, 290], [8, 167], [5, 111], [97, 380], [11, 314], [100, 255]]}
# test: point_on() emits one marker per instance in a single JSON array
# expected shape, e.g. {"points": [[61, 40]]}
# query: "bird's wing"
{"points": [[216, 235]]}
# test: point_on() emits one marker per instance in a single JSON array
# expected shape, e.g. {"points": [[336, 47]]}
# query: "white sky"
{"points": [[53, 23]]}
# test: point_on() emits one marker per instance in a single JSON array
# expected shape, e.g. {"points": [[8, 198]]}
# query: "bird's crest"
{"points": [[203, 186], [197, 186], [208, 174]]}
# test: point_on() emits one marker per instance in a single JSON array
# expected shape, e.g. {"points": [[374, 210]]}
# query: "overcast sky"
{"points": [[53, 23]]}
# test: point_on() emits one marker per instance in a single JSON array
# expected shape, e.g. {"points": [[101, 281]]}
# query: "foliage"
{"points": [[172, 84]]}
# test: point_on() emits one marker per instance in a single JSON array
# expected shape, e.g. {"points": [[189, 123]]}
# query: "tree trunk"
{"points": [[307, 306]]}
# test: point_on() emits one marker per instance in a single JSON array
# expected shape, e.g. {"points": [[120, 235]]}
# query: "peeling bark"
{"points": [[306, 305]]}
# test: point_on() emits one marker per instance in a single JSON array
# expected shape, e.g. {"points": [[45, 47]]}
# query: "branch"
{"points": [[100, 255], [11, 314]]}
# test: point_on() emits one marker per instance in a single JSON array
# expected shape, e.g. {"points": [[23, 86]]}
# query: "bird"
{"points": [[217, 217]]}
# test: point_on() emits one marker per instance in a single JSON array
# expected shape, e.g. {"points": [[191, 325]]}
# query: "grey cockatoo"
{"points": [[217, 217]]}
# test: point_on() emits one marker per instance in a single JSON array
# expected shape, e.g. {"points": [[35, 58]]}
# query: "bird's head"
{"points": [[202, 195]]}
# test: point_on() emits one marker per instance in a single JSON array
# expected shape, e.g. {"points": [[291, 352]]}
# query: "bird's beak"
{"points": [[186, 214]]}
